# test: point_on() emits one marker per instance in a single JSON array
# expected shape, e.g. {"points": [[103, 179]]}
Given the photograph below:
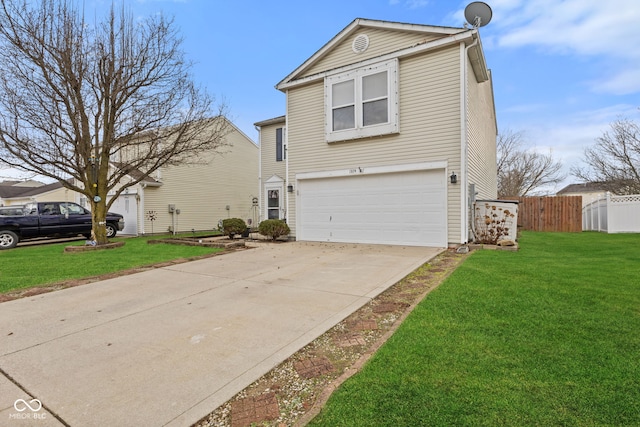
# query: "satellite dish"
{"points": [[478, 14]]}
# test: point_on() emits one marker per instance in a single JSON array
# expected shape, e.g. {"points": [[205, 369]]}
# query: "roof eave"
{"points": [[273, 121], [361, 23], [466, 36]]}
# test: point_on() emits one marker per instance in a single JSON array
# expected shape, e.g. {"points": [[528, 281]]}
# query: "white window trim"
{"points": [[360, 131]]}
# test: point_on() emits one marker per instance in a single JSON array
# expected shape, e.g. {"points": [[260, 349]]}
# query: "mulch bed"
{"points": [[88, 248]]}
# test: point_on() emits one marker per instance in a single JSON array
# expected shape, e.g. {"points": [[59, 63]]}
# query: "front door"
{"points": [[274, 203]]}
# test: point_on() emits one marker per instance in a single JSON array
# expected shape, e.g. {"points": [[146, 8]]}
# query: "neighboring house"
{"points": [[589, 191], [177, 198], [195, 197], [14, 193], [25, 183], [389, 135]]}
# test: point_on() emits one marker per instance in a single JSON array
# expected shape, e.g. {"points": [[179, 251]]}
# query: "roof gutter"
{"points": [[476, 57]]}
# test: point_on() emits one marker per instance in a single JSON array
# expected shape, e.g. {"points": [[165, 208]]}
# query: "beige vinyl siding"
{"points": [[270, 166], [202, 192], [429, 108], [481, 137], [380, 42], [58, 195]]}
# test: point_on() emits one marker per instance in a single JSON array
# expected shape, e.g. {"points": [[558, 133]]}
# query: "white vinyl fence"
{"points": [[613, 214]]}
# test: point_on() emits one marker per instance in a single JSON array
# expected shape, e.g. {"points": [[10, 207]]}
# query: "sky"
{"points": [[563, 70]]}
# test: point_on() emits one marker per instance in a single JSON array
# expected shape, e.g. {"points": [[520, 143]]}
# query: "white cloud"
{"points": [[606, 115], [411, 4], [585, 27], [624, 82], [417, 4], [567, 137], [524, 108], [605, 32], [10, 174]]}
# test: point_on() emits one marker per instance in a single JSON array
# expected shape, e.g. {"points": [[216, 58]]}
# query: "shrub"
{"points": [[273, 228], [233, 226]]}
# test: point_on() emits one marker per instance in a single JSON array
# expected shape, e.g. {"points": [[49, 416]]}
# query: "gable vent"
{"points": [[360, 43]]}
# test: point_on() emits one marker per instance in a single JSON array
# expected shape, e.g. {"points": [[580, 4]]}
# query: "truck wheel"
{"points": [[111, 230], [8, 239]]}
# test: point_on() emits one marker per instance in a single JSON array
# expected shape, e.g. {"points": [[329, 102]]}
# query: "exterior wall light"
{"points": [[454, 178], [290, 188]]}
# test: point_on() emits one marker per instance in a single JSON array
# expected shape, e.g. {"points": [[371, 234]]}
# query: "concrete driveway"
{"points": [[169, 345]]}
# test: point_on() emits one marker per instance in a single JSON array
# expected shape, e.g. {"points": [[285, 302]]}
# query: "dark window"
{"points": [[279, 146], [50, 209]]}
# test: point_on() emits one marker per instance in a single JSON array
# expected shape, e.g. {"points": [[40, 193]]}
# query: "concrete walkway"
{"points": [[168, 346]]}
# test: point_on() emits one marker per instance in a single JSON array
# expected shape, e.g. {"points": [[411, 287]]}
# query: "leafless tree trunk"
{"points": [[75, 96], [614, 160], [521, 172]]}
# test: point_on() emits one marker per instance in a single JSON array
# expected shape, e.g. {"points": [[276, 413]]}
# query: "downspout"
{"points": [[464, 173], [140, 200], [259, 176], [285, 136]]}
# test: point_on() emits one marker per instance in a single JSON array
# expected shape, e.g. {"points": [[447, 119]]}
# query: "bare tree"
{"points": [[614, 160], [521, 172], [75, 96]]}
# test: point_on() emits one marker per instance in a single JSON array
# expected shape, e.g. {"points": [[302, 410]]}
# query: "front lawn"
{"points": [[27, 266], [546, 336]]}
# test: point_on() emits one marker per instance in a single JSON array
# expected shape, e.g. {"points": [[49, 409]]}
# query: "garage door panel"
{"points": [[406, 208]]}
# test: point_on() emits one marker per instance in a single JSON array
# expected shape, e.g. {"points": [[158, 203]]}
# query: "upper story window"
{"points": [[362, 103], [281, 149]]}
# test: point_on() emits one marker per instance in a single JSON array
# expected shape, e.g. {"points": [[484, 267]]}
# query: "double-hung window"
{"points": [[362, 103]]}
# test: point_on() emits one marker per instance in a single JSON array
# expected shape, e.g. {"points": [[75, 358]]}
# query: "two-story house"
{"points": [[388, 137]]}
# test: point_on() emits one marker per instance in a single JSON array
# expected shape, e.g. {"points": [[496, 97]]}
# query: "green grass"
{"points": [[29, 266], [547, 336]]}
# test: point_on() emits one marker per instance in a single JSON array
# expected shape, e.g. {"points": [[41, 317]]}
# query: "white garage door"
{"points": [[402, 208]]}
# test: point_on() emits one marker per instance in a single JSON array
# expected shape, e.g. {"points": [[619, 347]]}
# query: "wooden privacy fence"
{"points": [[562, 213]]}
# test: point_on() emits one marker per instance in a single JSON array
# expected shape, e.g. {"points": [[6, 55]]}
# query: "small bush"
{"points": [[233, 226], [273, 228]]}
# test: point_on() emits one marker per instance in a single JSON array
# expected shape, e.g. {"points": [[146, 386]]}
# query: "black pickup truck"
{"points": [[51, 219]]}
